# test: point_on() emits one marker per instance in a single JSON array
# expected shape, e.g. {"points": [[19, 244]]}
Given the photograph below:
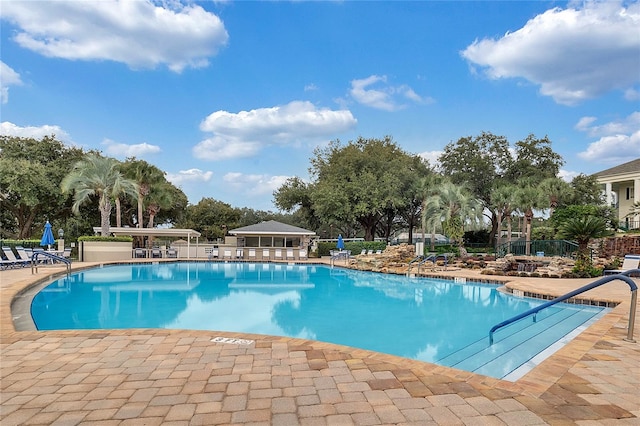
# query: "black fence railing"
{"points": [[562, 248]]}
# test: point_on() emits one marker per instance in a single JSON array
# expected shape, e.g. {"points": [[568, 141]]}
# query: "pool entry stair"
{"points": [[515, 351]]}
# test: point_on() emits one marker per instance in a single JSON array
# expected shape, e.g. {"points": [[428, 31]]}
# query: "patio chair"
{"points": [[11, 257], [22, 253], [290, 254], [631, 261], [266, 254], [211, 252], [302, 254], [227, 254], [239, 253], [139, 253], [172, 253], [252, 254], [156, 253], [278, 254], [378, 251], [364, 251]]}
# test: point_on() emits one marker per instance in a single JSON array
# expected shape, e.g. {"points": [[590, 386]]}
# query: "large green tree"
{"points": [[97, 177], [30, 174], [488, 161], [211, 217], [360, 182]]}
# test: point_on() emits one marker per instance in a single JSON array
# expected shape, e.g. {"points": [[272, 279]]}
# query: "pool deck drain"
{"points": [[121, 377]]}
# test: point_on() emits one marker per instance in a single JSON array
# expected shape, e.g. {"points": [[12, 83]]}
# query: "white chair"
{"points": [[239, 253], [631, 261], [227, 254], [302, 254], [278, 254], [252, 254], [290, 254], [265, 254], [13, 260]]}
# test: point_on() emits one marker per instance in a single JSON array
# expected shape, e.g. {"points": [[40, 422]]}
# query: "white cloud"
{"points": [[567, 175], [254, 185], [122, 150], [8, 77], [574, 54], [632, 94], [189, 176], [374, 92], [431, 157], [243, 134], [618, 140], [9, 129], [141, 34]]}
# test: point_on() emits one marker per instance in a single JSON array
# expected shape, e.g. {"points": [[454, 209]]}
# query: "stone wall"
{"points": [[617, 246]]}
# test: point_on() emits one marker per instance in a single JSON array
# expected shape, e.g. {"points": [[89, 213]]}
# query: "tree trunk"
{"points": [[105, 215], [118, 213]]}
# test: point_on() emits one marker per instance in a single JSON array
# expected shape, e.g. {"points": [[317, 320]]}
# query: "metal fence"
{"points": [[561, 248]]}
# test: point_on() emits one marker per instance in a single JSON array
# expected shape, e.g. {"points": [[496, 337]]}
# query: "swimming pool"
{"points": [[438, 321]]}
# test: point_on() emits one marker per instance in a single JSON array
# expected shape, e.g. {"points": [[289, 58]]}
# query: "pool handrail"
{"points": [[53, 257], [415, 259], [624, 276]]}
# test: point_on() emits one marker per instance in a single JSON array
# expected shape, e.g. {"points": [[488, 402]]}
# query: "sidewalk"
{"points": [[121, 377]]}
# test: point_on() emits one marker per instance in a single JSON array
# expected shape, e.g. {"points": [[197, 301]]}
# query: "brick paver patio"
{"points": [[169, 377]]}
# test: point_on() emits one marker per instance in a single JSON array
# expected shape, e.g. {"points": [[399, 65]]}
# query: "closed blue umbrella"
{"points": [[340, 242], [47, 236]]}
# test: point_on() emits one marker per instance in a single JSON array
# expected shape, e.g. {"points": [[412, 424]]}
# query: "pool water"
{"points": [[438, 321]]}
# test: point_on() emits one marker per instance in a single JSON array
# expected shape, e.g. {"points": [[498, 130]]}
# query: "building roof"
{"points": [[155, 232], [271, 227], [632, 166]]}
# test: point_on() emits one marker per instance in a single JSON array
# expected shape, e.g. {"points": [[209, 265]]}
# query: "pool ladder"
{"points": [[53, 257], [625, 276]]}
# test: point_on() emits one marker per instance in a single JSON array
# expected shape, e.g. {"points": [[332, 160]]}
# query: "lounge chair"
{"points": [[378, 251], [211, 252], [302, 254], [140, 253], [631, 261], [290, 254], [252, 254], [364, 251], [266, 254], [156, 253], [22, 252], [13, 260], [227, 254], [239, 253], [278, 254], [172, 253], [370, 251]]}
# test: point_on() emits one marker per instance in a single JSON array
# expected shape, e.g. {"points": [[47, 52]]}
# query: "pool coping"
{"points": [[534, 384]]}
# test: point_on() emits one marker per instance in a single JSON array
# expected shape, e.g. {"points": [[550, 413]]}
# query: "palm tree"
{"points": [[557, 190], [97, 176], [583, 229], [528, 199], [454, 206], [504, 200]]}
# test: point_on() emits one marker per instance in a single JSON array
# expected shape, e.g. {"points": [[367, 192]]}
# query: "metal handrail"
{"points": [[415, 259], [34, 261], [624, 276]]}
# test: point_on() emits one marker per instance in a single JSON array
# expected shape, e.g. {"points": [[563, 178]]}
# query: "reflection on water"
{"points": [[416, 318]]}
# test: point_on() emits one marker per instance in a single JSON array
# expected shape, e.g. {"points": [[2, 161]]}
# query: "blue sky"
{"points": [[231, 98]]}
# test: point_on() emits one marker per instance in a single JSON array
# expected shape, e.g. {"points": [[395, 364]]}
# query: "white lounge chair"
{"points": [[631, 261], [227, 254], [13, 260], [239, 253], [172, 253], [266, 254], [252, 254], [278, 254], [302, 254], [290, 254]]}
